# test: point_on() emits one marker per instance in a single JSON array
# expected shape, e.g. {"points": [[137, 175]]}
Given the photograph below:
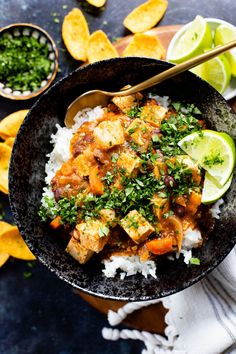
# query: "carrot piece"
{"points": [[56, 223], [160, 246], [95, 182], [194, 201]]}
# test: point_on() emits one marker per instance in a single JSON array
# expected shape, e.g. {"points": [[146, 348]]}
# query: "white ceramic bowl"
{"points": [[230, 92]]}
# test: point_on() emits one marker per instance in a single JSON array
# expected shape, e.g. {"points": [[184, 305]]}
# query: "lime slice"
{"points": [[216, 72], [193, 41], [211, 192], [225, 34], [213, 151]]}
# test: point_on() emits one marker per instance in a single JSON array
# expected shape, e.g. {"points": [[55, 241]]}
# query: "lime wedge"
{"points": [[225, 34], [216, 72], [213, 151], [193, 41], [211, 192]]}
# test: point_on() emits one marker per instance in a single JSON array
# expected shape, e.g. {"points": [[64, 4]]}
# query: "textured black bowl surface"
{"points": [[26, 179]]}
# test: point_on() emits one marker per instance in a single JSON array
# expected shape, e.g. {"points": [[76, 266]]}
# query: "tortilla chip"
{"points": [[10, 125], [145, 16], [75, 34], [5, 154], [100, 48], [10, 142], [4, 227], [144, 45], [3, 258], [12, 243], [97, 3]]}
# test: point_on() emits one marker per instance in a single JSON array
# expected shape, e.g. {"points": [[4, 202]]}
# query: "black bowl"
{"points": [[26, 179]]}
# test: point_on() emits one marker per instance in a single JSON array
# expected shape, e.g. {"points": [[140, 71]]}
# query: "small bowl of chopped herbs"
{"points": [[28, 61]]}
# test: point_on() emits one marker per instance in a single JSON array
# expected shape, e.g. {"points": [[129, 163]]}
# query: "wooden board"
{"points": [[165, 34], [149, 318]]}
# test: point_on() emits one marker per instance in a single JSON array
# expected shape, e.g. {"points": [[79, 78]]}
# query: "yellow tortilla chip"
{"points": [[145, 16], [5, 154], [3, 258], [11, 242], [75, 34], [10, 142], [100, 48], [10, 125], [97, 3], [4, 226], [144, 45]]}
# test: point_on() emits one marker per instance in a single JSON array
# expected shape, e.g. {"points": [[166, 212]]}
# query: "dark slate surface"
{"points": [[41, 315]]}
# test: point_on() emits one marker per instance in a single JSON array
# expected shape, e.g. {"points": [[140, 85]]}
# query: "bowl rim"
{"points": [[49, 81], [60, 274]]}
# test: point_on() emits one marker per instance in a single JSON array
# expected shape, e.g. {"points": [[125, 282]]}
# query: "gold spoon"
{"points": [[91, 99]]}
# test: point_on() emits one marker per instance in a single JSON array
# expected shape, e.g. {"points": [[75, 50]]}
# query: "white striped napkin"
{"points": [[200, 320]]}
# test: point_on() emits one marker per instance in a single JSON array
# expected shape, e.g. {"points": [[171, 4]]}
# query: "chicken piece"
{"points": [[153, 113], [82, 163], [130, 162], [93, 234], [140, 133], [136, 226], [192, 165], [109, 134], [77, 251], [160, 206], [108, 216], [160, 168], [126, 103]]}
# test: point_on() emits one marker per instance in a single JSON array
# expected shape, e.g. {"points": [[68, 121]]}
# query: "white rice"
{"points": [[129, 265], [163, 101], [61, 145], [191, 239]]}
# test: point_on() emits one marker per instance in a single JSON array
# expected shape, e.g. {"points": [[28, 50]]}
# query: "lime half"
{"points": [[214, 151], [211, 192], [223, 35], [216, 72], [193, 41]]}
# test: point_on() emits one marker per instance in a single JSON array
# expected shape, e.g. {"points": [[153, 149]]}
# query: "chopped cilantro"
{"points": [[24, 62], [103, 231], [155, 138], [65, 208], [168, 214], [134, 112], [194, 261], [213, 159], [176, 127], [108, 179], [114, 158], [27, 274]]}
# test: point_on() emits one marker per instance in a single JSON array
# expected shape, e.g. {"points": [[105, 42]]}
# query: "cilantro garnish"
{"points": [[194, 261], [103, 231], [176, 127], [134, 112], [213, 159], [24, 62]]}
